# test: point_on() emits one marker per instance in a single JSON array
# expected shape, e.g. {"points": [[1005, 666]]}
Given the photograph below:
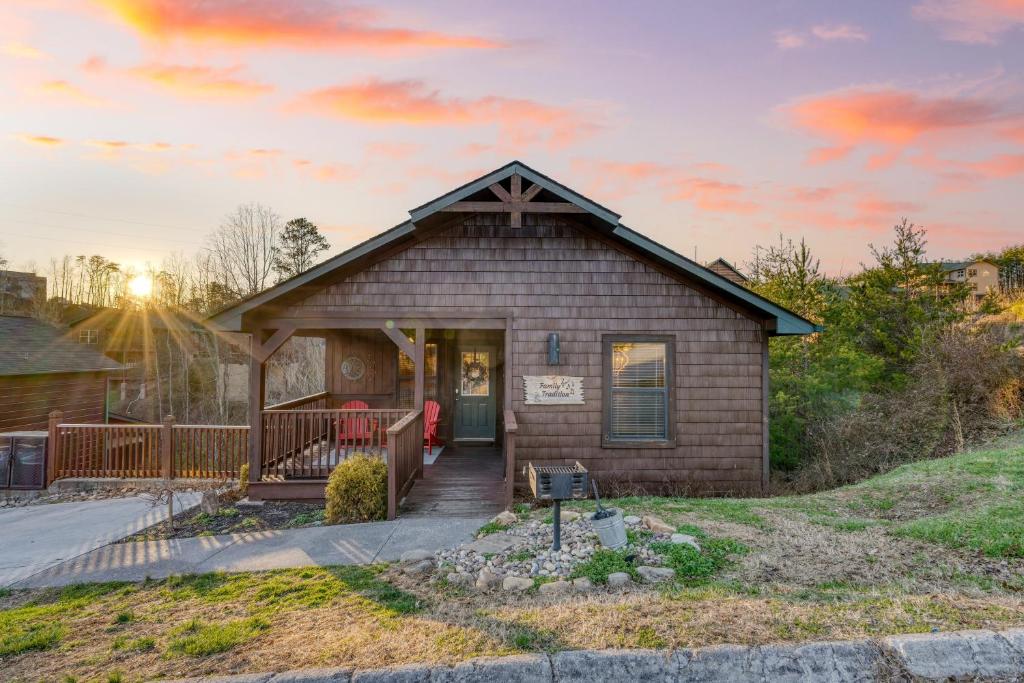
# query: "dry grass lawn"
{"points": [[935, 545]]}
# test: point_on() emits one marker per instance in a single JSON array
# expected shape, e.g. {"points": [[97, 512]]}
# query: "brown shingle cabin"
{"points": [[547, 331]]}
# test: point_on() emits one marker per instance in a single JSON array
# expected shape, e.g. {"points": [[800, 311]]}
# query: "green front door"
{"points": [[475, 405]]}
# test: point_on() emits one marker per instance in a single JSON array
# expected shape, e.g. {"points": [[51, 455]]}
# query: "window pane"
{"points": [[407, 377], [638, 365], [638, 414], [476, 373]]}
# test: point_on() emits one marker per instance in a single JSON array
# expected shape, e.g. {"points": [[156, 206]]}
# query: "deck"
{"points": [[465, 481]]}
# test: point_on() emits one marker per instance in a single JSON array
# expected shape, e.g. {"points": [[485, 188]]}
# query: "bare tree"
{"points": [[244, 248]]}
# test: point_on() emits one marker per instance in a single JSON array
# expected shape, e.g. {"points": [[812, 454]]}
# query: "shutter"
{"points": [[639, 394]]}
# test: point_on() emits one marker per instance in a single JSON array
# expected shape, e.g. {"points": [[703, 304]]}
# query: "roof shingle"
{"points": [[31, 347]]}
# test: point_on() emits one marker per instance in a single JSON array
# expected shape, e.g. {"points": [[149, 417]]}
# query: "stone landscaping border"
{"points": [[972, 655]]}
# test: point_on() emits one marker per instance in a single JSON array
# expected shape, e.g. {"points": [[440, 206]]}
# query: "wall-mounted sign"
{"points": [[353, 368], [553, 390]]}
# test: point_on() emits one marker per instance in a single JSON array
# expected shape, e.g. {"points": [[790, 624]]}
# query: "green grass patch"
{"points": [[995, 530], [307, 518], [126, 644], [199, 639], [489, 528], [602, 563], [695, 567]]}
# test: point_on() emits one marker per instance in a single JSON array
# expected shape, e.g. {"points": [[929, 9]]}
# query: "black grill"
{"points": [[557, 483]]}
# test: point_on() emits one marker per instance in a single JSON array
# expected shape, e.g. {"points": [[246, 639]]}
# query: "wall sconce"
{"points": [[553, 349]]}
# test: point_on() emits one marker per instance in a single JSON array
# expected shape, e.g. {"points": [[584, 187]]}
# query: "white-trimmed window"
{"points": [[88, 336]]}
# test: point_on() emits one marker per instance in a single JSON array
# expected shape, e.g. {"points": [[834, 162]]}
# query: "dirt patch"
{"points": [[233, 518]]}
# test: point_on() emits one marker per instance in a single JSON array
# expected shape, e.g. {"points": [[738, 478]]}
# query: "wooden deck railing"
{"points": [[310, 402], [308, 444], [126, 451], [404, 457], [511, 427]]}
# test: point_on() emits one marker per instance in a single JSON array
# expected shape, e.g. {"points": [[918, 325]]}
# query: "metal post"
{"points": [[557, 543]]}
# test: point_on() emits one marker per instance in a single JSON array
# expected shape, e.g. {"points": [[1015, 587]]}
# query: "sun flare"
{"points": [[141, 286]]}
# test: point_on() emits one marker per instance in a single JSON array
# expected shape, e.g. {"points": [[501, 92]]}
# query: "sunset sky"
{"points": [[129, 128]]}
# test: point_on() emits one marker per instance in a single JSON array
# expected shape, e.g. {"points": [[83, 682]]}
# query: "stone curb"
{"points": [[973, 655]]}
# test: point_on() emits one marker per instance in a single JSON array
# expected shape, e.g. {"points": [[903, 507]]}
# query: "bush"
{"points": [[357, 490], [965, 388], [243, 479]]}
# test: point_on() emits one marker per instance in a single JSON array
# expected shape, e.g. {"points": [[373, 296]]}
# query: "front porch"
{"points": [[383, 379]]}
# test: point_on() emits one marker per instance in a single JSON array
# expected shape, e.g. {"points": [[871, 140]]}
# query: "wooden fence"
{"points": [[404, 457], [125, 451]]}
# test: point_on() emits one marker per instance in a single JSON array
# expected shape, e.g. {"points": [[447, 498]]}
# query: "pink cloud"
{"points": [[789, 40], [312, 24], [711, 195], [521, 122], [841, 32], [893, 120], [972, 21], [202, 82]]}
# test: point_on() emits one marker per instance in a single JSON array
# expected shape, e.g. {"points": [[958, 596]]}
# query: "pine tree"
{"points": [[298, 246]]}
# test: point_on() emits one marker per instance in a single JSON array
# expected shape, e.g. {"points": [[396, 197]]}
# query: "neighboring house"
{"points": [[42, 370], [20, 293], [980, 277], [722, 267], [152, 345], [657, 378]]}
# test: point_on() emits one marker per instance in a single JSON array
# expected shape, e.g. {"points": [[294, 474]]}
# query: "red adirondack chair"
{"points": [[431, 416], [355, 431]]}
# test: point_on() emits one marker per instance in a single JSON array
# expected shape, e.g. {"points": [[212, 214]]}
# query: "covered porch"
{"points": [[384, 379]]}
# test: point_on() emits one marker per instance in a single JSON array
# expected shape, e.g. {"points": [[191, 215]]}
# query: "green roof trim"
{"points": [[787, 322]]}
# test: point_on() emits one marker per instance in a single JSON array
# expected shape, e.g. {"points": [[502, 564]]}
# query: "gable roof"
{"points": [[31, 347], [599, 217], [727, 270]]}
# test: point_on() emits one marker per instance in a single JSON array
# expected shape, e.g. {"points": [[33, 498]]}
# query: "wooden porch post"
{"points": [[53, 448], [257, 388], [419, 360]]}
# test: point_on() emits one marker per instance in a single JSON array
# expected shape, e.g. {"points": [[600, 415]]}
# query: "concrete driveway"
{"points": [[260, 550], [38, 537]]}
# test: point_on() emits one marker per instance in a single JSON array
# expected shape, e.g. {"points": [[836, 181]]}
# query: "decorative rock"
{"points": [[210, 503], [655, 574], [495, 543], [555, 588], [657, 525], [569, 516], [582, 585], [618, 580], [516, 583], [505, 518], [416, 555], [686, 539], [632, 520], [421, 567], [486, 580], [460, 580]]}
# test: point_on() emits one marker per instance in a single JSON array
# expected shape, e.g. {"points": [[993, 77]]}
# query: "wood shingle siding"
{"points": [[554, 274]]}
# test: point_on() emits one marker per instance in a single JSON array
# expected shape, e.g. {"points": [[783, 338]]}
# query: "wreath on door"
{"points": [[474, 374]]}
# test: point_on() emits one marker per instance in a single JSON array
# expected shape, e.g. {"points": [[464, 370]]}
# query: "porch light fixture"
{"points": [[554, 349]]}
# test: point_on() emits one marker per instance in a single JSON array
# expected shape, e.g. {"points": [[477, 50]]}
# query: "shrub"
{"points": [[243, 479], [357, 490]]}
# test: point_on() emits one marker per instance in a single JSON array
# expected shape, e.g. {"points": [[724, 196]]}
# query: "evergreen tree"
{"points": [[298, 246]]}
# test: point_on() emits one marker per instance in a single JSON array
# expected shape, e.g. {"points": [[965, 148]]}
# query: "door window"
{"points": [[476, 373]]}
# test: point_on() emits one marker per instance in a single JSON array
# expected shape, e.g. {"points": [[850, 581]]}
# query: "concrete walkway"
{"points": [[34, 538], [327, 545]]}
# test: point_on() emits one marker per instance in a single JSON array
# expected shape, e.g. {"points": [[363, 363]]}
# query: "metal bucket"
{"points": [[611, 530]]}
